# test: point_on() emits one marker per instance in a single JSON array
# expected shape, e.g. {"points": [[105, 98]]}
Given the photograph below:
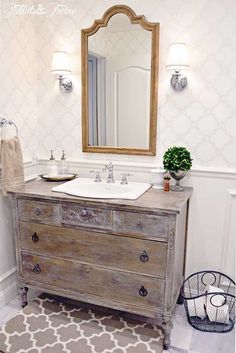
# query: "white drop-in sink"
{"points": [[86, 187]]}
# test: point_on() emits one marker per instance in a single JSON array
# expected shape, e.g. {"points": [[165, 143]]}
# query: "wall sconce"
{"points": [[177, 61], [60, 67]]}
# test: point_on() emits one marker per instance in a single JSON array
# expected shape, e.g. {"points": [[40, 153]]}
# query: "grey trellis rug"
{"points": [[50, 326]]}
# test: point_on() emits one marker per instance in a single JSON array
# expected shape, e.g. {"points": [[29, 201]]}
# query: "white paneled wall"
{"points": [[202, 117], [229, 231], [8, 278]]}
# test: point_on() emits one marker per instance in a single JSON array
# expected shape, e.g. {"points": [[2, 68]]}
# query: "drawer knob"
{"points": [[143, 292], [84, 212], [37, 269], [139, 225], [35, 238], [37, 211], [144, 256]]}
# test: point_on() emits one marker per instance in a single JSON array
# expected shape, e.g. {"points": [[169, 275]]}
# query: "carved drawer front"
{"points": [[130, 254], [83, 215], [140, 224], [129, 288], [41, 211]]}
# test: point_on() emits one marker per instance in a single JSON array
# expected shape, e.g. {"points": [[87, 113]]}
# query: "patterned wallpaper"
{"points": [[18, 72], [202, 117]]}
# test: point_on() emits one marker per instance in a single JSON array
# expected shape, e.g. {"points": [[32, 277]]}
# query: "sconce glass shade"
{"points": [[60, 67], [60, 63], [177, 57], [178, 60]]}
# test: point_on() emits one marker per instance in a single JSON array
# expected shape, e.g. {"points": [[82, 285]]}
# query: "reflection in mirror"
{"points": [[119, 66], [120, 83]]}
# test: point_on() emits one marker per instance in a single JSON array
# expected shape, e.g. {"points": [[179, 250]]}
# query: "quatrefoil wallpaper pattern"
{"points": [[202, 117]]}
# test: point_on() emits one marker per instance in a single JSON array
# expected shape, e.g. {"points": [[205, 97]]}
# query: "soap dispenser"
{"points": [[52, 166], [63, 165]]}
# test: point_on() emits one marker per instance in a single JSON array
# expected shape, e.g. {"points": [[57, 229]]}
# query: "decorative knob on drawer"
{"points": [[37, 211], [37, 269], [139, 224], [143, 292], [144, 256], [84, 212], [35, 238]]}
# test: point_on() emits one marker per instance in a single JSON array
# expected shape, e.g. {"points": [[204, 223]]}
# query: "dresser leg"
{"points": [[24, 291], [167, 326]]}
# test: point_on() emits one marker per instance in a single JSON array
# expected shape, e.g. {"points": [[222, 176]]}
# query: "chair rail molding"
{"points": [[142, 169]]}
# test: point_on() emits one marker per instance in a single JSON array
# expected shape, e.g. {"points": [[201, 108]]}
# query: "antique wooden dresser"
{"points": [[120, 254]]}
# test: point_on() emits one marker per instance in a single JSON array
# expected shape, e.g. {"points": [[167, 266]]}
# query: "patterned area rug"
{"points": [[50, 326]]}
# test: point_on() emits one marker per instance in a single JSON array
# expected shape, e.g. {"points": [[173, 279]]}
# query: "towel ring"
{"points": [[4, 123]]}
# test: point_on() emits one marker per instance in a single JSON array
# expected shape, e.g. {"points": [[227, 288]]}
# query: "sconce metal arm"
{"points": [[178, 81], [65, 84]]}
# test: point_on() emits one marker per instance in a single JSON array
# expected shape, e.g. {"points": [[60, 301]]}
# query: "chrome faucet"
{"points": [[109, 167]]}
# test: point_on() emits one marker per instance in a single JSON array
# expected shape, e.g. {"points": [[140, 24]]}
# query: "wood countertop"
{"points": [[157, 200]]}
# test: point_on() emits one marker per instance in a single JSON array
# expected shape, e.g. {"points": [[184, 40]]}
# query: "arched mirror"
{"points": [[119, 83]]}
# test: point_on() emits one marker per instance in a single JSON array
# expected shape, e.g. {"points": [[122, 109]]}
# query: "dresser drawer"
{"points": [[46, 212], [136, 290], [86, 216], [140, 224], [115, 251]]}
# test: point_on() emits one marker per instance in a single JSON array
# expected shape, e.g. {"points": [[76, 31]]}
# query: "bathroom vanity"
{"points": [[127, 255]]}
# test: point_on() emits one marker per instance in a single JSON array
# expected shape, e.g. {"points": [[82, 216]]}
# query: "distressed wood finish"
{"points": [[134, 255], [94, 280], [85, 33], [140, 224], [83, 215], [95, 256], [45, 212], [152, 201]]}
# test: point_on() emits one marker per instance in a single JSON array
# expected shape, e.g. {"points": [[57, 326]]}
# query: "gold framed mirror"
{"points": [[120, 58]]}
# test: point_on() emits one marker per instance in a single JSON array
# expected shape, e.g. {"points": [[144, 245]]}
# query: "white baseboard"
{"points": [[8, 287]]}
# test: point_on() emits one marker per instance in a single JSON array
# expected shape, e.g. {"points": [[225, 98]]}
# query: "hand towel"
{"points": [[218, 314], [217, 310], [12, 164], [196, 307], [216, 299]]}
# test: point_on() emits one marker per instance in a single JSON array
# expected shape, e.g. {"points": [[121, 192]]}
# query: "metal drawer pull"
{"points": [[35, 238], [139, 224], [143, 292], [37, 269], [144, 256], [37, 211], [84, 212]]}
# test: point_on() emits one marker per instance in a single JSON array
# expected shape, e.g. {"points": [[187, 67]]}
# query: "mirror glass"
{"points": [[119, 67], [119, 73]]}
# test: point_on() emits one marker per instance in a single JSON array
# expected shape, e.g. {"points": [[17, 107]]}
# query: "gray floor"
{"points": [[184, 339]]}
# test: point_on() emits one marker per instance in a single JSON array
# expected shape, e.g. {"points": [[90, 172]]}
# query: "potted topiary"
{"points": [[177, 161]]}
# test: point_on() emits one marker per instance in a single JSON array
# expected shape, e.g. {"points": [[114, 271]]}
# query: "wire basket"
{"points": [[209, 310]]}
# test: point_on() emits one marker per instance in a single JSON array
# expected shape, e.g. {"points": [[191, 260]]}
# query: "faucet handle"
{"points": [[109, 166], [124, 178], [97, 175]]}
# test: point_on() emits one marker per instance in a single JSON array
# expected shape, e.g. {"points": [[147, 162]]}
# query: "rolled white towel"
{"points": [[196, 307], [217, 311], [215, 299], [218, 314]]}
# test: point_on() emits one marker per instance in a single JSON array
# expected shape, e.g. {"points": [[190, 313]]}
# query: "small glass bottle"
{"points": [[63, 165], [166, 185], [52, 166]]}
